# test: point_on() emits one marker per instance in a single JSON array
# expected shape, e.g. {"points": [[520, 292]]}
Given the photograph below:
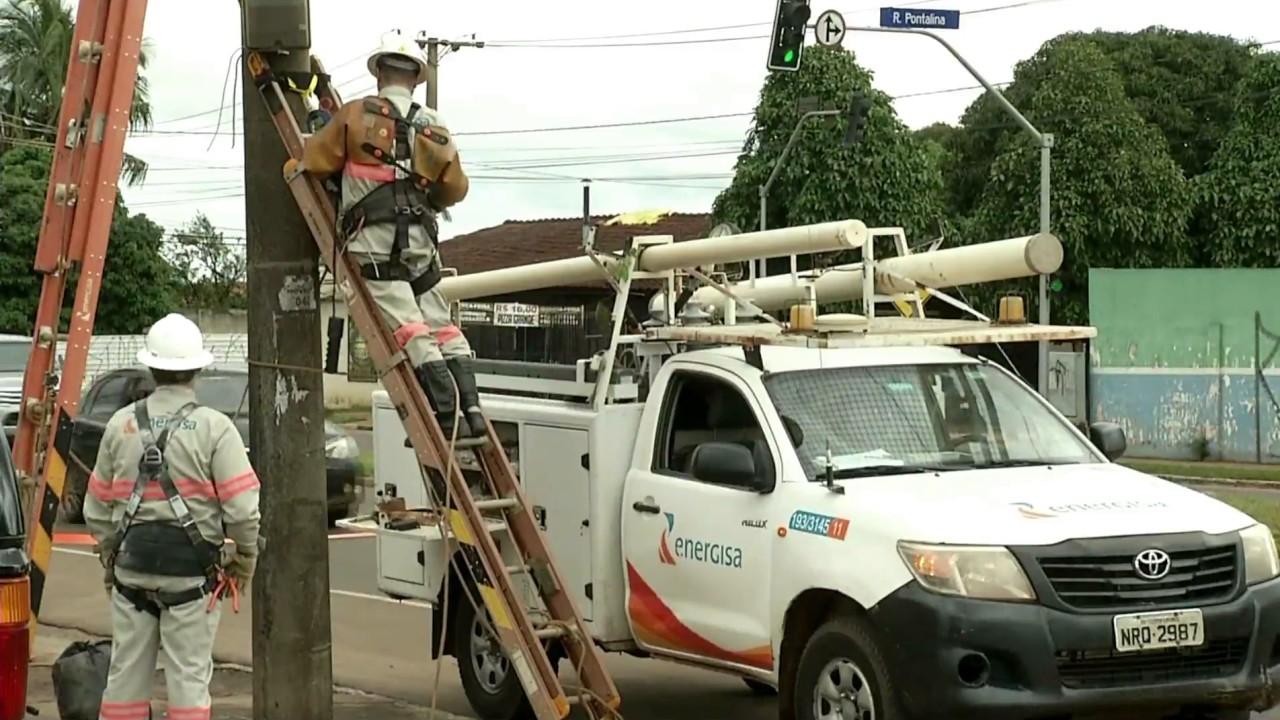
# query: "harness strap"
{"points": [[152, 466], [401, 200], [154, 601], [421, 284]]}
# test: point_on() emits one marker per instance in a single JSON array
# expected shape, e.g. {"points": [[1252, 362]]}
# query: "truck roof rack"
{"points": [[885, 332], [698, 306]]}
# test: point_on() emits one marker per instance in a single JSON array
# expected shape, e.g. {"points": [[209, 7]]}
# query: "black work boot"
{"points": [[464, 374], [437, 383]]}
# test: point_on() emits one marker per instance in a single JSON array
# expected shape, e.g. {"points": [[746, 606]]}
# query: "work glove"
{"points": [[240, 568]]}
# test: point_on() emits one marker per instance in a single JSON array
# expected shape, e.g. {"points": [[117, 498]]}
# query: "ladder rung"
{"points": [[517, 569], [549, 633], [499, 504]]}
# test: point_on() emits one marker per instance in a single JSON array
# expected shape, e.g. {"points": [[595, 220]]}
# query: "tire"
{"points": [[760, 689], [73, 490], [490, 683], [844, 648]]}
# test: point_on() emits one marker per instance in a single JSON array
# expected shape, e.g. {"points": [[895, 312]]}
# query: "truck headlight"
{"points": [[342, 447], [979, 572], [1260, 561]]}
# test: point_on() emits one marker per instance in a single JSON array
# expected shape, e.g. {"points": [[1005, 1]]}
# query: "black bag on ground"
{"points": [[80, 678]]}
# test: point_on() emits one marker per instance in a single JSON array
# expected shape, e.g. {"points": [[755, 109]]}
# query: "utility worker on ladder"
{"points": [[400, 168], [172, 480]]}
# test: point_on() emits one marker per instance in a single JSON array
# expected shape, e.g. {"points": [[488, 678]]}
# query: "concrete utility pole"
{"points": [[292, 636], [432, 47]]}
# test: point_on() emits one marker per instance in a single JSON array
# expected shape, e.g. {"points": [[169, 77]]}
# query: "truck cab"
{"points": [[15, 594], [831, 522]]}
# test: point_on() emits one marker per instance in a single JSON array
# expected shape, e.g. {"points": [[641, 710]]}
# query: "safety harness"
{"points": [[149, 558], [403, 201]]}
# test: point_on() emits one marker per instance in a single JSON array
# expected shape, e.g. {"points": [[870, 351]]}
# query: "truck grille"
{"points": [[1096, 582], [1085, 669], [11, 396]]}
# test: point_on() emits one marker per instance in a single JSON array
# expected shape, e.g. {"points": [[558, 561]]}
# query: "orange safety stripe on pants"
{"points": [[447, 333], [409, 331]]}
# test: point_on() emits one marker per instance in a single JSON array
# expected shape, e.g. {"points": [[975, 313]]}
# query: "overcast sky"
{"points": [[688, 58]]}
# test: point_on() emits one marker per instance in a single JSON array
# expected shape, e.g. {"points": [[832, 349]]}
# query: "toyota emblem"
{"points": [[1152, 564]]}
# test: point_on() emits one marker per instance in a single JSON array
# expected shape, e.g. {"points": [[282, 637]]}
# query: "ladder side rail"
{"points": [[466, 521], [104, 153], [583, 652], [55, 232]]}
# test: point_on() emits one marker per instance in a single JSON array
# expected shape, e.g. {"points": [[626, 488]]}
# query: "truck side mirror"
{"points": [[724, 463], [1109, 438]]}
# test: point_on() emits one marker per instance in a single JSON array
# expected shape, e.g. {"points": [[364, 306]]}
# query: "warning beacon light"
{"points": [[790, 24]]}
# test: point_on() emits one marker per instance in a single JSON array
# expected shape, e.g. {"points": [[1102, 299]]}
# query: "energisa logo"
{"points": [[695, 549]]}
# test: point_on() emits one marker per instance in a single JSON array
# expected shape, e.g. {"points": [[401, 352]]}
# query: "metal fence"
{"points": [[110, 352]]}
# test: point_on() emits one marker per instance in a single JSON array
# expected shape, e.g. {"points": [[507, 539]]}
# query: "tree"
{"points": [[35, 46], [1118, 197], [211, 272], [1181, 82], [888, 179], [138, 285], [1239, 198]]}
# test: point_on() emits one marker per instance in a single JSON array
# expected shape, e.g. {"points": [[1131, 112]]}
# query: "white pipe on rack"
{"points": [[802, 240], [967, 265]]}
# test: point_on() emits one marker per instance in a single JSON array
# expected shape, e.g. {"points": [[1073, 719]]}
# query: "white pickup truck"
{"points": [[876, 532]]}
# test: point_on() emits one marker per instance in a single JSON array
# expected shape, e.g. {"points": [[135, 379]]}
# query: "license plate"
{"points": [[1156, 630]]}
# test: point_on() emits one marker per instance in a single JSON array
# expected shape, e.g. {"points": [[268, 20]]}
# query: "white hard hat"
{"points": [[174, 343], [394, 43]]}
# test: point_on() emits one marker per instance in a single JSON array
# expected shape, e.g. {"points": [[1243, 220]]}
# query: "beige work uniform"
{"points": [[422, 325], [210, 468]]}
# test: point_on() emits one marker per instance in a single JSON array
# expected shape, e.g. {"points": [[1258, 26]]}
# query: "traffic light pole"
{"points": [[773, 175], [1043, 140]]}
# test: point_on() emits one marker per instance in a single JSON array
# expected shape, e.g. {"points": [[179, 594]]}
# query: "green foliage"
{"points": [[35, 46], [890, 178], [211, 272], [138, 286], [1181, 82], [1239, 198], [1118, 199]]}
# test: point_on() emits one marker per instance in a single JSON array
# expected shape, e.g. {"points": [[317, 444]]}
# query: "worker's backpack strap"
{"points": [[152, 466]]}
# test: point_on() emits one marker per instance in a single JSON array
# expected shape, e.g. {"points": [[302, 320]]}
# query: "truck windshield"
{"points": [[876, 420], [13, 355]]}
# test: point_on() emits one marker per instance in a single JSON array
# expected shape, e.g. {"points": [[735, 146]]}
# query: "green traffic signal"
{"points": [[790, 56]]}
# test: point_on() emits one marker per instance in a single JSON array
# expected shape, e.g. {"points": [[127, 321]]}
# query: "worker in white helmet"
{"points": [[171, 483], [399, 169]]}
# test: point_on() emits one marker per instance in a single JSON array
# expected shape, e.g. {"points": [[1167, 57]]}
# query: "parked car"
{"points": [[223, 389], [14, 350]]}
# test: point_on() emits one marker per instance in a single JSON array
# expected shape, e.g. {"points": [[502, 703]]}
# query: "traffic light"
{"points": [[790, 25], [857, 117]]}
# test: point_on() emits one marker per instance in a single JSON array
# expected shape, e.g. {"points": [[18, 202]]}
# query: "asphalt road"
{"points": [[381, 646]]}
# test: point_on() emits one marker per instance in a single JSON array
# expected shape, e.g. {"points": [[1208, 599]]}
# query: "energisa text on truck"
{"points": [[869, 516]]}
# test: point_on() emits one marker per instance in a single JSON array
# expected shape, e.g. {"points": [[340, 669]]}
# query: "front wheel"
{"points": [[844, 676], [491, 685]]}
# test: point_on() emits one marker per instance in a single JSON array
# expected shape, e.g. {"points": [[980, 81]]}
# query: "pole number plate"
{"points": [[1156, 630]]}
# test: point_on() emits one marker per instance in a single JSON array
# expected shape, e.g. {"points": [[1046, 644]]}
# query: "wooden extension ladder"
{"points": [[75, 230], [521, 638]]}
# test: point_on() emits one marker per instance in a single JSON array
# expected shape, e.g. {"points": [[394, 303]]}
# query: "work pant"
{"points": [[422, 325], [182, 637]]}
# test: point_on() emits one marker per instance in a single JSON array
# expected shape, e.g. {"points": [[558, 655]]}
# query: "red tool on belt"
{"points": [[226, 584]]}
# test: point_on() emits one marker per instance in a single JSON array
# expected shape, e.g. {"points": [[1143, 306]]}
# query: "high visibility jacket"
{"points": [[348, 143], [207, 461]]}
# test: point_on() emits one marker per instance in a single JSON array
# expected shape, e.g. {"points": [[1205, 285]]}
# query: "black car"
{"points": [[225, 390], [15, 588]]}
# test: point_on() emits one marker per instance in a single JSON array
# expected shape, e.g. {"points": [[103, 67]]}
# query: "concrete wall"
{"points": [[1174, 361]]}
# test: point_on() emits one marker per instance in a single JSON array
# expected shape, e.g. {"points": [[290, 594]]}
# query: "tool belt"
{"points": [[154, 601], [404, 202]]}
